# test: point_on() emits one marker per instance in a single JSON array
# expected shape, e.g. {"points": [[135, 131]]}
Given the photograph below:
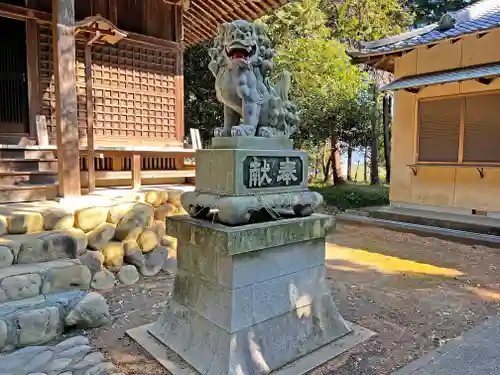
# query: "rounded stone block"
{"points": [[88, 361], [154, 197], [75, 277], [3, 334], [117, 212], [93, 260], [24, 222], [153, 264], [100, 235], [103, 280], [21, 286], [38, 362], [58, 219], [174, 197], [160, 228], [89, 218], [14, 246], [47, 247], [3, 225], [91, 311], [128, 275], [6, 257], [133, 254], [165, 210], [133, 223], [38, 326], [147, 240], [113, 255], [81, 238]]}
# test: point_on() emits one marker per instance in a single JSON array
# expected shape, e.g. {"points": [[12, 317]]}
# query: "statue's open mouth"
{"points": [[240, 52]]}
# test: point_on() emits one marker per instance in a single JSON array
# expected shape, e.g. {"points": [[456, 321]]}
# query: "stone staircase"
{"points": [[53, 257], [44, 289], [27, 173]]}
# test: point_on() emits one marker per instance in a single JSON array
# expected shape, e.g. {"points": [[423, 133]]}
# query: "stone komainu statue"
{"points": [[242, 63]]}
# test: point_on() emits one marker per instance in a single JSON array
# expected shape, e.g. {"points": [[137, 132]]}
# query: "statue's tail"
{"points": [[283, 85], [291, 116]]}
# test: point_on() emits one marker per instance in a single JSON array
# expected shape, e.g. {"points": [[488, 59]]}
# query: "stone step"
{"points": [[71, 356], [41, 247], [23, 281], [460, 236], [36, 321]]}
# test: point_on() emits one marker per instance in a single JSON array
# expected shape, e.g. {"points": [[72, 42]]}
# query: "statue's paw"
{"points": [[219, 132], [267, 131], [243, 131]]}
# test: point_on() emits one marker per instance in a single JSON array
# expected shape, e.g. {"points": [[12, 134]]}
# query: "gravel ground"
{"points": [[415, 292]]}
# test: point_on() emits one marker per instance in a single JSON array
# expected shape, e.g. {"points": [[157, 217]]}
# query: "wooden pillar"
{"points": [[90, 117], [63, 39], [179, 74], [136, 171], [113, 12], [33, 81]]}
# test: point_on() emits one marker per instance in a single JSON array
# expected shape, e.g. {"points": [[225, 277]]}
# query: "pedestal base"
{"points": [[249, 300], [177, 366]]}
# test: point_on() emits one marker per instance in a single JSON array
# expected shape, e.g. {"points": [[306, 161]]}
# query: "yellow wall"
{"points": [[449, 54], [442, 186]]}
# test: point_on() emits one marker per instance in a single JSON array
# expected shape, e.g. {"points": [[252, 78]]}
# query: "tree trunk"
{"points": [[337, 173], [374, 179], [349, 162], [365, 160], [387, 139], [326, 169], [356, 173]]}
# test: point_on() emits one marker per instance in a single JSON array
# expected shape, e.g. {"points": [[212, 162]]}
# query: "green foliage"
{"points": [[352, 21], [352, 195], [428, 11], [201, 108], [326, 86]]}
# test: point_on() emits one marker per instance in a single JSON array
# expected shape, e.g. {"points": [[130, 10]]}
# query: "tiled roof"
{"points": [[482, 15], [455, 75]]}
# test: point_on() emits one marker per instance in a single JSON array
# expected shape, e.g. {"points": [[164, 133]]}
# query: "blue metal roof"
{"points": [[485, 71], [478, 17]]}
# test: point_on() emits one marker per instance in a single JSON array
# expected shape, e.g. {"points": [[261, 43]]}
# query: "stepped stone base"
{"points": [[249, 299], [35, 321]]}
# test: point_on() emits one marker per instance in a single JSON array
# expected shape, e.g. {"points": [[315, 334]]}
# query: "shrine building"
{"points": [[445, 149], [91, 91]]}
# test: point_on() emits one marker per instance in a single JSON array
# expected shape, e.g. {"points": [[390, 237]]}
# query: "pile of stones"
{"points": [[116, 242]]}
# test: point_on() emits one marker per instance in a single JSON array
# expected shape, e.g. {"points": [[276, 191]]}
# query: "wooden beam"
{"points": [[33, 81], [64, 49], [113, 12], [21, 13], [90, 117], [179, 79], [136, 171]]}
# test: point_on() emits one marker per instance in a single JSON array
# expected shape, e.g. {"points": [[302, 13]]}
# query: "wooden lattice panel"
{"points": [[133, 90], [47, 84]]}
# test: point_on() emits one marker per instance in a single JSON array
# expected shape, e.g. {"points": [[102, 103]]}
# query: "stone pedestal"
{"points": [[249, 299]]}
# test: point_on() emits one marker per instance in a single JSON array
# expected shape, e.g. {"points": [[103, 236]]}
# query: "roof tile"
{"points": [[482, 15]]}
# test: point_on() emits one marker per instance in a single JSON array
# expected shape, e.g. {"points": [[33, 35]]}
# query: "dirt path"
{"points": [[415, 292]]}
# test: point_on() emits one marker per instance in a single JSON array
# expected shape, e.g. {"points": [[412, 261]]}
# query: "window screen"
{"points": [[439, 130], [482, 129]]}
